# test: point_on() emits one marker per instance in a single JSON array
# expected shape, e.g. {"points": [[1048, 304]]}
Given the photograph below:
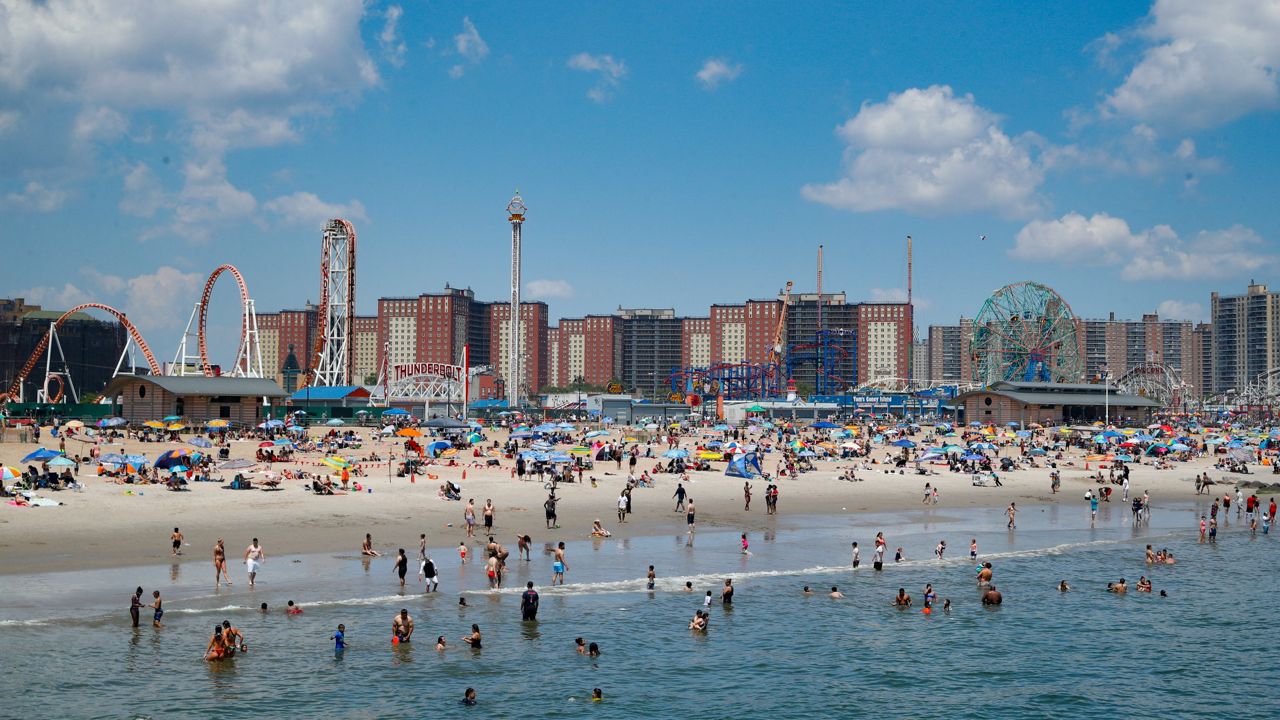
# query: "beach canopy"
{"points": [[445, 423], [41, 454], [756, 408], [394, 411], [745, 465]]}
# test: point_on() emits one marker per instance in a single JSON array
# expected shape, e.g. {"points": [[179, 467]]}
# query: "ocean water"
{"points": [[66, 648]]}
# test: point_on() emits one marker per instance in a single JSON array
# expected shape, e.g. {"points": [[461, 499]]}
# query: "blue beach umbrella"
{"points": [[677, 454]]}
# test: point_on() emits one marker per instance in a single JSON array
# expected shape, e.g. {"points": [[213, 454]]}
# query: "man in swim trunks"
{"points": [[529, 603], [176, 540], [550, 507], [158, 611], [429, 575], [690, 517], [558, 566], [488, 516], [903, 600], [992, 596], [984, 575], [402, 626], [469, 517], [857, 556], [253, 557]]}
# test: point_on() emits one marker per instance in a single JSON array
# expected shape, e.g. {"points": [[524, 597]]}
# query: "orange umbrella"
{"points": [[408, 432]]}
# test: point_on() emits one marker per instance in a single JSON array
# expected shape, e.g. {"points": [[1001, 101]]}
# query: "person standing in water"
{"points": [[529, 603], [650, 579], [156, 608], [253, 558], [220, 563], [422, 555], [1012, 512], [135, 605], [857, 556], [558, 566], [402, 627], [402, 566]]}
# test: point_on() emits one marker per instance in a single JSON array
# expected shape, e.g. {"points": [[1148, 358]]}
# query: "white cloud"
{"points": [[184, 53], [53, 298], [142, 193], [1178, 310], [393, 46], [99, 123], [1208, 63], [718, 70], [1153, 254], [549, 289], [8, 119], [304, 208], [150, 299], [36, 197], [106, 282], [929, 151], [470, 46], [609, 73]]}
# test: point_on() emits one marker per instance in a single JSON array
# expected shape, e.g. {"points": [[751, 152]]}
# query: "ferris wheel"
{"points": [[1026, 332]]}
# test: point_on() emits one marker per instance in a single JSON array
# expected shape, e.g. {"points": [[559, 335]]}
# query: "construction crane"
{"points": [[775, 352]]}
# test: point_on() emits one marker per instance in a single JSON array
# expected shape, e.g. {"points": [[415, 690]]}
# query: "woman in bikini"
{"points": [[217, 649], [220, 563]]}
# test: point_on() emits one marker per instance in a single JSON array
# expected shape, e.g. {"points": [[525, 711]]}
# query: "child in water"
{"points": [[340, 638], [745, 547]]}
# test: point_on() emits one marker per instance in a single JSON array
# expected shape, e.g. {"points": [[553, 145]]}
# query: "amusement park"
{"points": [[801, 354]]}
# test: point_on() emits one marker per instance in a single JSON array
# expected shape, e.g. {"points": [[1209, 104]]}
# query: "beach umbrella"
{"points": [[409, 432], [971, 457], [708, 455], [755, 408], [1037, 451], [982, 446], [1179, 447], [1023, 433], [394, 411], [112, 422], [566, 426], [475, 438], [217, 424], [437, 447], [73, 425], [651, 426], [113, 459], [806, 454], [721, 428], [62, 462], [171, 418], [337, 462], [676, 454], [172, 457], [154, 424], [521, 435], [237, 464], [176, 427], [138, 460], [903, 443], [598, 433], [8, 473], [200, 442], [41, 454], [334, 422]]}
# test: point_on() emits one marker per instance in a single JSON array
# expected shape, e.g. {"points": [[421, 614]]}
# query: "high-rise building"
{"points": [[885, 331], [1246, 337], [590, 350], [555, 372], [695, 342], [1201, 368], [651, 349], [728, 333], [278, 331], [836, 349], [945, 353], [920, 360], [533, 343], [365, 350]]}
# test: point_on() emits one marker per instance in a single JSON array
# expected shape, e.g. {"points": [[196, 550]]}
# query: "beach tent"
{"points": [[394, 411], [746, 465]]}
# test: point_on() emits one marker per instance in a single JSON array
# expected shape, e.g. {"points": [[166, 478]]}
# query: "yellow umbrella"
{"points": [[708, 455], [219, 423], [336, 462], [177, 426], [154, 424], [579, 450], [449, 453], [408, 432], [630, 439]]}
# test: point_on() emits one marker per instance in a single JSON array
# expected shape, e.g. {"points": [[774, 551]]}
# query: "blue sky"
{"points": [[671, 154]]}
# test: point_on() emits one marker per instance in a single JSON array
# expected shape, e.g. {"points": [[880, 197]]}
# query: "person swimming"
{"points": [[440, 643], [835, 592], [469, 697], [1063, 586], [597, 695]]}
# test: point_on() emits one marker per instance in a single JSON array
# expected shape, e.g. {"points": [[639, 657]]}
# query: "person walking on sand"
{"points": [[679, 496], [253, 558], [176, 541], [746, 495], [220, 563], [469, 517]]}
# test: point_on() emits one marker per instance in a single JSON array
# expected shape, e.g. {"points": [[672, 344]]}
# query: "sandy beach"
{"points": [[110, 525]]}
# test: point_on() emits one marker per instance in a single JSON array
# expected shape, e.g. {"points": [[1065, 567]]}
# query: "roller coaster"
{"points": [[333, 349]]}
